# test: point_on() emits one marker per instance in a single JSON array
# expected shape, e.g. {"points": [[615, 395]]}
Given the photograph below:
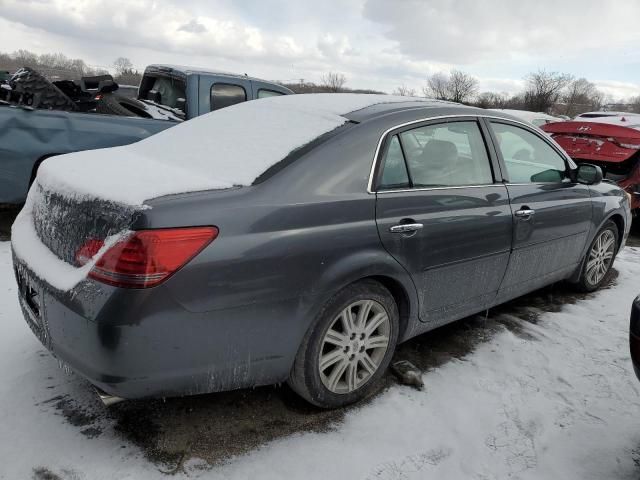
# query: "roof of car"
{"points": [[202, 71], [423, 108]]}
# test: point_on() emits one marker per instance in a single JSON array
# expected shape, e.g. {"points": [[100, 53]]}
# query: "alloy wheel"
{"points": [[600, 257], [354, 346]]}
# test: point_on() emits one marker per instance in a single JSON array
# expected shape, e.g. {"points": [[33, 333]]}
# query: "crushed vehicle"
{"points": [[299, 238], [610, 140], [41, 119]]}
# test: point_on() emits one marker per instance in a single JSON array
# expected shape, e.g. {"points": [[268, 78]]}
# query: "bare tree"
{"points": [[544, 89], [122, 65], [457, 86], [463, 86], [581, 96], [634, 104], [492, 100], [333, 81], [437, 86], [404, 91]]}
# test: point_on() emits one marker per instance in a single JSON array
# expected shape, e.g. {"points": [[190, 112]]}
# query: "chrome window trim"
{"points": [[423, 189], [528, 127]]}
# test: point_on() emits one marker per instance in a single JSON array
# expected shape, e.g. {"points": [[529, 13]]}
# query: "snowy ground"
{"points": [[541, 388]]}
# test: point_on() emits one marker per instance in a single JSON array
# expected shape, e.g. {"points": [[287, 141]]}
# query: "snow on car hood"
{"points": [[222, 149]]}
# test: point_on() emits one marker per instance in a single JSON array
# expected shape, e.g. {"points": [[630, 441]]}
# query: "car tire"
{"points": [[38, 92], [111, 104], [599, 258], [343, 356]]}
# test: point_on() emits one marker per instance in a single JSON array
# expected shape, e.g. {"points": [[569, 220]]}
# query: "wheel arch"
{"points": [[382, 268], [619, 221]]}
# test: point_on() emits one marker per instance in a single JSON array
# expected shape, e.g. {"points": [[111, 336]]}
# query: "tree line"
{"points": [[550, 92], [56, 66]]}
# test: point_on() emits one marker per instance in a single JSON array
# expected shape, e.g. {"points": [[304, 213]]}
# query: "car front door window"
{"points": [[528, 158]]}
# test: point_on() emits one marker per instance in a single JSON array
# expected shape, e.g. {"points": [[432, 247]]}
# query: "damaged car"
{"points": [[610, 140], [299, 239]]}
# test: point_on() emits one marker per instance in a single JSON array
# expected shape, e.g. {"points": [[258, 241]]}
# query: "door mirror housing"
{"points": [[588, 174]]}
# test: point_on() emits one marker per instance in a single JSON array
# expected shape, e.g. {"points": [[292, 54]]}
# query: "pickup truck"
{"points": [[167, 95]]}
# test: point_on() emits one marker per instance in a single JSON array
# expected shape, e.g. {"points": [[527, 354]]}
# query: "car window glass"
{"points": [[394, 172], [264, 93], [527, 157], [225, 95], [448, 154]]}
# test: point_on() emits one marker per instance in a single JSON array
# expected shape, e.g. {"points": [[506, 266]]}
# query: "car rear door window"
{"points": [[224, 95], [447, 154], [527, 157]]}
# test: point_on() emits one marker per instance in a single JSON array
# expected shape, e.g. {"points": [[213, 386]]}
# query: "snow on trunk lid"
{"points": [[63, 224]]}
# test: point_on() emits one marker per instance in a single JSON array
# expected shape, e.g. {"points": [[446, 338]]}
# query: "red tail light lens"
{"points": [[147, 257]]}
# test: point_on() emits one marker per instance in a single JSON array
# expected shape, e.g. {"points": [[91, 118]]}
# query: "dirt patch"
{"points": [[217, 426]]}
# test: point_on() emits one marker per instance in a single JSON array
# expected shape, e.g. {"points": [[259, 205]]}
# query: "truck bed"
{"points": [[29, 136]]}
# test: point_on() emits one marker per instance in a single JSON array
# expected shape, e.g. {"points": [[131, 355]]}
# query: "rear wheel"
{"points": [[349, 347], [599, 258]]}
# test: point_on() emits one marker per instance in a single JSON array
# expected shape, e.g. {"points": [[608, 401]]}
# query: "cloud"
{"points": [[466, 32], [193, 27], [377, 44]]}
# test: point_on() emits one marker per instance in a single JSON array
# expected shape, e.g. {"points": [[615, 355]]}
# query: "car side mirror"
{"points": [[181, 104], [588, 174]]}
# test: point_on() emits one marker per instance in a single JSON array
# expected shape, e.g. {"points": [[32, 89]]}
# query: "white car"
{"points": [[536, 118], [623, 119]]}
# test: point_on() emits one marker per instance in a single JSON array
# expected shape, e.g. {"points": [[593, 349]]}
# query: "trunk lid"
{"points": [[63, 224], [600, 142]]}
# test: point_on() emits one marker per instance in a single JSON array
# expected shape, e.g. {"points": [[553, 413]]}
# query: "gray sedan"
{"points": [[408, 216]]}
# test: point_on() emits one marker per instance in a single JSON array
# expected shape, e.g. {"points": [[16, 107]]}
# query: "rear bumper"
{"points": [[143, 343], [634, 336]]}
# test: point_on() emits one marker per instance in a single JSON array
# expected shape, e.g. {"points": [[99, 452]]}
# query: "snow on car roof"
{"points": [[527, 115], [226, 148]]}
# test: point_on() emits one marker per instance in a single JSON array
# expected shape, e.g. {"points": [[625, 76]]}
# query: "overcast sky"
{"points": [[377, 44]]}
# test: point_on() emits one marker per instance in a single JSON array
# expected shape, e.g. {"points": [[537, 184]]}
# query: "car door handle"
{"points": [[406, 228], [525, 213]]}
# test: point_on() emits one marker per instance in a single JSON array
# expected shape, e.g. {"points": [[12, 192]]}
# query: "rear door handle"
{"points": [[525, 213], [406, 228]]}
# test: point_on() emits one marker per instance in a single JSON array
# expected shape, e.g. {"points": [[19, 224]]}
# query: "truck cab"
{"points": [[195, 92]]}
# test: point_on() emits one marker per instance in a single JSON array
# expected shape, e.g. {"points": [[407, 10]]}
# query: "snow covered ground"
{"points": [[539, 394]]}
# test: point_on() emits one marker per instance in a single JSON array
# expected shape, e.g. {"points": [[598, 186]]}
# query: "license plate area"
{"points": [[30, 298]]}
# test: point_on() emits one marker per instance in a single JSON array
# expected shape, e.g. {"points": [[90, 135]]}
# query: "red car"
{"points": [[610, 140]]}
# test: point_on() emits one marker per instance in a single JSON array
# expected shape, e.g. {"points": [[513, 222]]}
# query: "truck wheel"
{"points": [[111, 104], [38, 92], [599, 258], [348, 348]]}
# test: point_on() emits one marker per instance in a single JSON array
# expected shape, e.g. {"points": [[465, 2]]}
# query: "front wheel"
{"points": [[349, 347], [599, 258]]}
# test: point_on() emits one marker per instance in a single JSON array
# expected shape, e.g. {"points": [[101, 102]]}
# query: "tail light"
{"points": [[146, 258]]}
